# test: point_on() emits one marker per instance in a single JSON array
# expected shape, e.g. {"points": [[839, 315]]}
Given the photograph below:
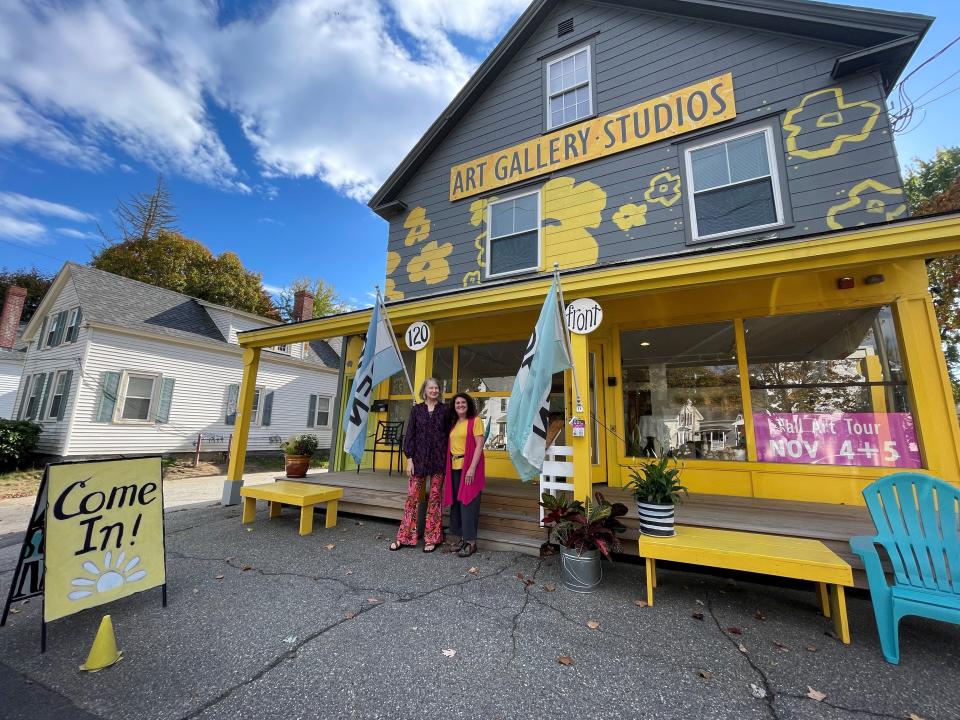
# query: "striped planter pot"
{"points": [[655, 519]]}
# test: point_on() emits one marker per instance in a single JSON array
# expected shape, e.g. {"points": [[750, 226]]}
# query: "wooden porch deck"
{"points": [[509, 515]]}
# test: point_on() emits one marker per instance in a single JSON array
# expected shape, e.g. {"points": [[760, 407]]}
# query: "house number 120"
{"points": [[417, 335]]}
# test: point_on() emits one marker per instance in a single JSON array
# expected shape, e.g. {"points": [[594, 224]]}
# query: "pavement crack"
{"points": [[844, 708], [515, 620]]}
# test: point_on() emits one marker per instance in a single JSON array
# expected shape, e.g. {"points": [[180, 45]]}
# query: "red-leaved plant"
{"points": [[584, 526]]}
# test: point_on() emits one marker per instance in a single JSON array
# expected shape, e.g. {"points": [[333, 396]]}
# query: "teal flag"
{"points": [[528, 414]]}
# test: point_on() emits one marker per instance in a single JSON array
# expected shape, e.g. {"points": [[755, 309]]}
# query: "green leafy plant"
{"points": [[584, 526], [301, 445], [657, 482], [18, 438]]}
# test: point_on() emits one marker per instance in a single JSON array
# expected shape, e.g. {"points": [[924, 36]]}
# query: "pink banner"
{"points": [[870, 439]]}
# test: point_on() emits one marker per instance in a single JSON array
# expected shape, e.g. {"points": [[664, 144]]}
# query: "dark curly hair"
{"points": [[452, 411]]}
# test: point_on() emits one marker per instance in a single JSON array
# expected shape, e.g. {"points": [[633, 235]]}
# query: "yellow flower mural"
{"points": [[390, 287], [570, 211], [868, 202], [664, 189], [823, 110], [478, 218], [431, 265], [418, 225], [630, 216]]}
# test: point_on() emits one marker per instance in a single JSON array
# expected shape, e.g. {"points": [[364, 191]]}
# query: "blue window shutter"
{"points": [[166, 400], [109, 385], [75, 330], [267, 409], [230, 416], [40, 410], [312, 412], [43, 333], [61, 323], [66, 395]]}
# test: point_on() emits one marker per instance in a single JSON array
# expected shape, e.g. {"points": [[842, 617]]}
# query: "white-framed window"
{"points": [[285, 349], [72, 326], [323, 411], [59, 393], [256, 411], [137, 398], [569, 95], [54, 326], [733, 185], [31, 392], [513, 242]]}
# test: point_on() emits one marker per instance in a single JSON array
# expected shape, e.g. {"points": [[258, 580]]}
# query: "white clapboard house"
{"points": [[115, 366], [12, 350]]}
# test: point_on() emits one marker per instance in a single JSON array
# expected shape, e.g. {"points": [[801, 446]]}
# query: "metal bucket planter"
{"points": [[580, 572], [656, 519]]}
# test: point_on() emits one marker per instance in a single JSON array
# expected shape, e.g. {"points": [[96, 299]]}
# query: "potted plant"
{"points": [[656, 488], [297, 452], [584, 531]]}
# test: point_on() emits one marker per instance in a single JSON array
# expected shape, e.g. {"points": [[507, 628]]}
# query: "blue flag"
{"points": [[380, 360], [528, 413]]}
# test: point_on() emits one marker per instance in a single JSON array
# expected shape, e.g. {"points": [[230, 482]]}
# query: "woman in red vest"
{"points": [[465, 476]]}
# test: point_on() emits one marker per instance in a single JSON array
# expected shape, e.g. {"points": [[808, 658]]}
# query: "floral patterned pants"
{"points": [[433, 531]]}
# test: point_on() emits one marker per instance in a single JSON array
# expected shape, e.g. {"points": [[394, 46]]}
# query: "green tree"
{"points": [[34, 281], [325, 298], [178, 263], [934, 187]]}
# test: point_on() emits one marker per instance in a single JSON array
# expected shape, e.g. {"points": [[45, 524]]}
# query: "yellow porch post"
{"points": [[241, 428], [933, 410], [582, 468]]}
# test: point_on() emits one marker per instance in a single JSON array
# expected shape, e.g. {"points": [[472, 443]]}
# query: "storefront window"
{"points": [[443, 368], [398, 381], [681, 392], [829, 389], [491, 367]]}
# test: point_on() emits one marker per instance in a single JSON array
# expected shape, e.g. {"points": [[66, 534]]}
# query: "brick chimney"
{"points": [[302, 305], [10, 317]]}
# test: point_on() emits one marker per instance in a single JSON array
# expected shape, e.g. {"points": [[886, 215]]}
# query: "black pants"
{"points": [[464, 519]]}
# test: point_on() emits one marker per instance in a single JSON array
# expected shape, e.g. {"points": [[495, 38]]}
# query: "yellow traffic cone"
{"points": [[103, 652]]}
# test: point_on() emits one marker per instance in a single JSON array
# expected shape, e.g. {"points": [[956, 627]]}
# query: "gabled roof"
{"points": [[883, 40], [117, 301]]}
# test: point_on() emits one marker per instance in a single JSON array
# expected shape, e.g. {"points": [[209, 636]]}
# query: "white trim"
{"points": [[255, 420], [122, 397], [316, 412], [588, 84], [51, 416], [773, 169], [71, 319], [51, 331], [71, 418], [538, 227]]}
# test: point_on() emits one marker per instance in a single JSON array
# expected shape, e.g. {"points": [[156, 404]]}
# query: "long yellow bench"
{"points": [[788, 557], [285, 492]]}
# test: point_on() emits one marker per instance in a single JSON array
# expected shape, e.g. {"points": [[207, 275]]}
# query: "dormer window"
{"points": [[569, 95]]}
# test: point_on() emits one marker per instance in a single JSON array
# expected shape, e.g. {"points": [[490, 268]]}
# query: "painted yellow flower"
{"points": [[824, 122], [478, 211], [664, 189], [570, 211], [418, 225], [471, 278], [390, 286], [868, 202], [630, 216], [431, 265]]}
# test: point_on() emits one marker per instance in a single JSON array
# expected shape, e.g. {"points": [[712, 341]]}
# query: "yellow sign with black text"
{"points": [[682, 111], [104, 533]]}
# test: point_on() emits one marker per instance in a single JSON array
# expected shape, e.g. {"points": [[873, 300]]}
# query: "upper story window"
{"points": [[569, 95], [735, 185], [59, 328], [513, 243]]}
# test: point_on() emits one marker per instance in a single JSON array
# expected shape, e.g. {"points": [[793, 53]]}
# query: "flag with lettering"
{"points": [[381, 359], [528, 414]]}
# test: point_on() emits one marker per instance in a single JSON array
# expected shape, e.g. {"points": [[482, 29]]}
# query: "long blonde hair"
{"points": [[423, 389]]}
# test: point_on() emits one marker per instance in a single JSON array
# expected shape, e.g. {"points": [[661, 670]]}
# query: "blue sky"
{"points": [[272, 122]]}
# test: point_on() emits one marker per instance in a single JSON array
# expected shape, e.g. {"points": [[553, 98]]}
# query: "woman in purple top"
{"points": [[425, 445]]}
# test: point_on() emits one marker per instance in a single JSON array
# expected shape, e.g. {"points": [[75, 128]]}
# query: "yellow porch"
{"points": [[737, 289]]}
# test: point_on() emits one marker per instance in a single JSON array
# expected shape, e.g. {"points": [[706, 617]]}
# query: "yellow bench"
{"points": [[284, 492], [788, 557]]}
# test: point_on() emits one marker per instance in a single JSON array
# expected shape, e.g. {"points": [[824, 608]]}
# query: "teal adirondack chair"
{"points": [[916, 519]]}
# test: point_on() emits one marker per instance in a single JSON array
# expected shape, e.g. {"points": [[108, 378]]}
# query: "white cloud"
{"points": [[24, 205], [321, 88], [23, 230], [273, 289], [78, 234]]}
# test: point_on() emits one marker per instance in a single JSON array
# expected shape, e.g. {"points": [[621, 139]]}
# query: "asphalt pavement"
{"points": [[263, 623]]}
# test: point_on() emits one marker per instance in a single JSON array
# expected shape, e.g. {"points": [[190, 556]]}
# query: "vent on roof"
{"points": [[565, 27]]}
